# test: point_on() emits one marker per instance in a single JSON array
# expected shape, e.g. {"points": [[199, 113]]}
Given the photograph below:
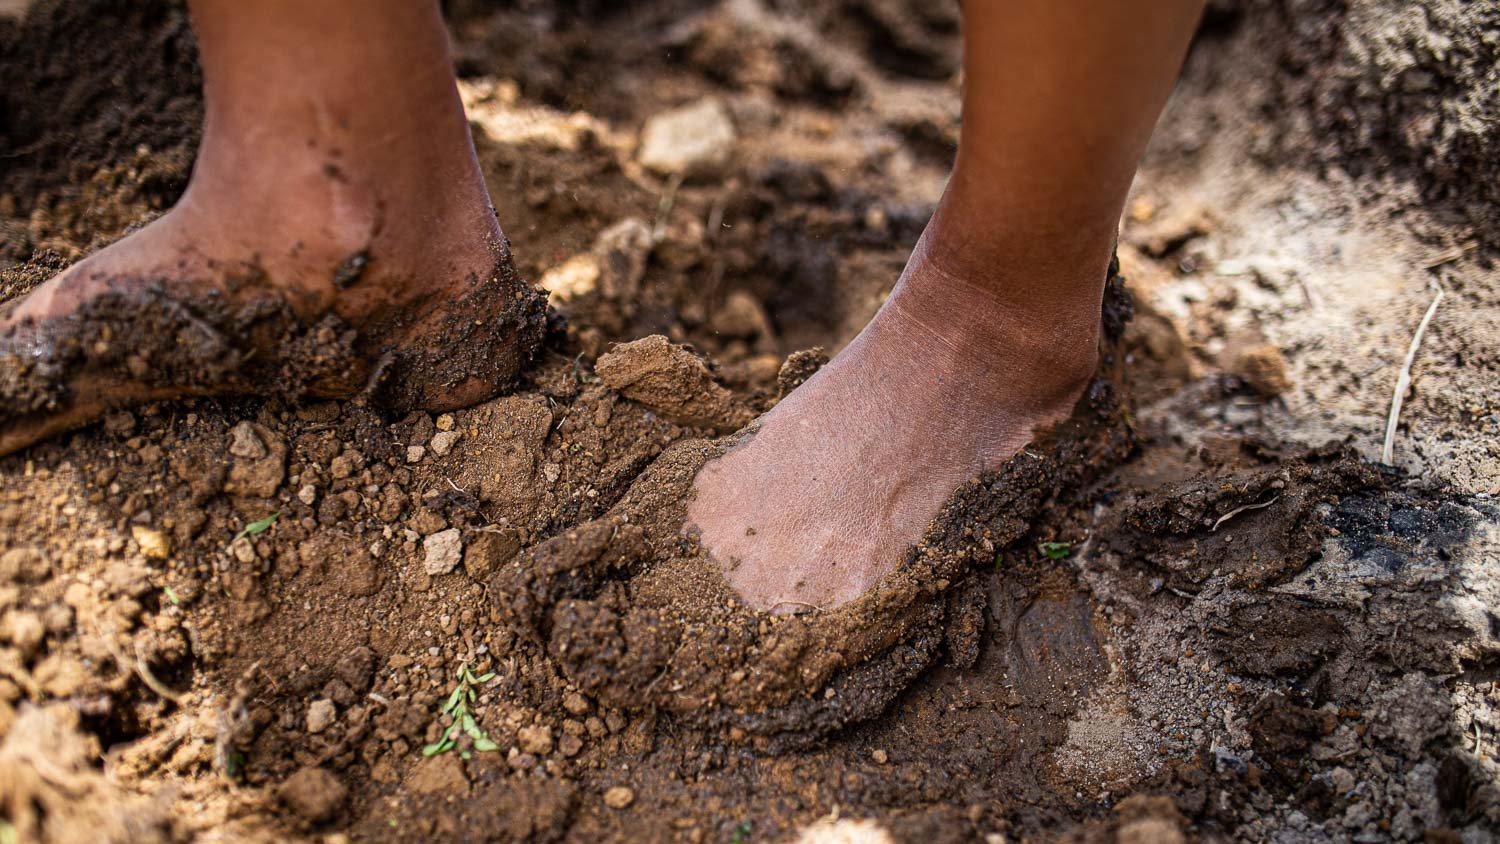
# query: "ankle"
{"points": [[986, 323], [312, 208]]}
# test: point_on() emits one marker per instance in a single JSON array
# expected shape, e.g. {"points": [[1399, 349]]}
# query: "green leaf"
{"points": [[466, 754], [1056, 550], [257, 527], [485, 679], [468, 724], [741, 833], [454, 700], [171, 596], [484, 745], [433, 749]]}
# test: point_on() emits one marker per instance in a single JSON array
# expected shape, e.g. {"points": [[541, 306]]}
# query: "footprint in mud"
{"points": [[1054, 655]]}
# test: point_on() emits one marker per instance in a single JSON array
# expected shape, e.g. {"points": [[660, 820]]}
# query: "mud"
{"points": [[673, 636], [142, 339], [244, 618]]}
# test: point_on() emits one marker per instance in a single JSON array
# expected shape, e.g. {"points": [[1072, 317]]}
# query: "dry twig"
{"points": [[1403, 381], [1238, 510]]}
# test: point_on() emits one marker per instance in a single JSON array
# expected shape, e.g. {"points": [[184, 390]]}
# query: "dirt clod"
{"points": [[1263, 369], [672, 381], [26, 564], [489, 550], [315, 794], [536, 740]]}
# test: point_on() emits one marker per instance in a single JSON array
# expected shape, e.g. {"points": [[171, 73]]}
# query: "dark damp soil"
{"points": [[258, 619]]}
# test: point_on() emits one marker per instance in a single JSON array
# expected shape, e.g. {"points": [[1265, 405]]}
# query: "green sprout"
{"points": [[457, 708], [257, 527], [172, 596], [1056, 550], [741, 833]]}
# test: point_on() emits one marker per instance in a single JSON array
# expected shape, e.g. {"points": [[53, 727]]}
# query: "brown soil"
{"points": [[232, 619]]}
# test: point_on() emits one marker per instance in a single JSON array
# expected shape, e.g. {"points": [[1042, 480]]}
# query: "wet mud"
{"points": [[144, 339], [255, 617]]}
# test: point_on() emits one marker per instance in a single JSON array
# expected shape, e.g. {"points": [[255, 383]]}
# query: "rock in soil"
{"points": [[619, 797], [693, 140], [442, 551]]}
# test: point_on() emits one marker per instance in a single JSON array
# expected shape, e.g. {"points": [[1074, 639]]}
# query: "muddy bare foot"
{"points": [[846, 473], [334, 241], [204, 302]]}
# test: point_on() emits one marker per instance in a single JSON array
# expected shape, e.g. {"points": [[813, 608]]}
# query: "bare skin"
{"points": [[993, 328], [333, 138]]}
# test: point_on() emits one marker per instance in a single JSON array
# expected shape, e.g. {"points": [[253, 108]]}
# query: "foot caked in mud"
{"points": [[138, 339], [636, 613]]}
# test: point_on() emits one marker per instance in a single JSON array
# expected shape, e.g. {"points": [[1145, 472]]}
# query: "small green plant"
{"points": [[1056, 550], [234, 763], [257, 527], [172, 596], [741, 833], [457, 708]]}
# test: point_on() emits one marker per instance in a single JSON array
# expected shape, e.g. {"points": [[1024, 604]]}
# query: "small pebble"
{"points": [[415, 453], [442, 550], [619, 797], [443, 441], [321, 715], [244, 442], [307, 494], [154, 543], [880, 757], [445, 422], [243, 550]]}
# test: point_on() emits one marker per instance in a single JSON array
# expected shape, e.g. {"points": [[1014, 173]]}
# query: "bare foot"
{"points": [[336, 237], [948, 380]]}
